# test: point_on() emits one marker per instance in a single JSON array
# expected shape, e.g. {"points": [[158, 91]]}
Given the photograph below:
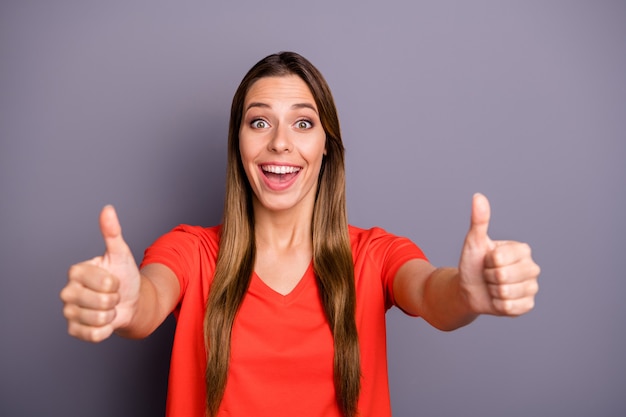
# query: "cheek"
{"points": [[246, 158], [246, 151], [316, 148], [249, 170]]}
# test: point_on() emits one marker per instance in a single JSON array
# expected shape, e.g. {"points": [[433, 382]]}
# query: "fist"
{"points": [[101, 293], [496, 277], [90, 299]]}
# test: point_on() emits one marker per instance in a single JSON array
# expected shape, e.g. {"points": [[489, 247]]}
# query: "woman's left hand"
{"points": [[496, 277]]}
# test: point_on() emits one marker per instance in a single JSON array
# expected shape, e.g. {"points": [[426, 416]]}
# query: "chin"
{"points": [[282, 204]]}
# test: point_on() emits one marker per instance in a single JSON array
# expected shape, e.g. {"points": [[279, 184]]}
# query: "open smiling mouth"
{"points": [[280, 173]]}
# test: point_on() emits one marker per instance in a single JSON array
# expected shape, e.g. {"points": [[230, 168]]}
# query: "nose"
{"points": [[280, 140]]}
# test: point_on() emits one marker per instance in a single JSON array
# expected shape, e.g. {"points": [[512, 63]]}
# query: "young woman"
{"points": [[281, 309]]}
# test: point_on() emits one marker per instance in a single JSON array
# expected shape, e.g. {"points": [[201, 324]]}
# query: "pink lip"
{"points": [[278, 185]]}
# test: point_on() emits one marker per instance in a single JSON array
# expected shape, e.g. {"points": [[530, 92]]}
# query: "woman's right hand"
{"points": [[102, 293]]}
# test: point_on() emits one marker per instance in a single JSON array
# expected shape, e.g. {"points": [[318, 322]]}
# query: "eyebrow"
{"points": [[295, 106]]}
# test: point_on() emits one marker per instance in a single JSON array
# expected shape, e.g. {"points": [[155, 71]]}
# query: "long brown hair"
{"points": [[332, 256]]}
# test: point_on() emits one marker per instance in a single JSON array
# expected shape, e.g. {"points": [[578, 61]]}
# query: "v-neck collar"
{"points": [[257, 285]]}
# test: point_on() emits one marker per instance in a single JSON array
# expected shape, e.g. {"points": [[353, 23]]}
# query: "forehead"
{"points": [[289, 88]]}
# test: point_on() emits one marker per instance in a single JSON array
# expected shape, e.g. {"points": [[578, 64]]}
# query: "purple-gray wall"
{"points": [[126, 102]]}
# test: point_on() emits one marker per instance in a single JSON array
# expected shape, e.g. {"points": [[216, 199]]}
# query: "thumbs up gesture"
{"points": [[497, 277], [101, 293]]}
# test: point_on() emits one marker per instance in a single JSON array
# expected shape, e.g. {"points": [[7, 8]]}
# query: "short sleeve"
{"points": [[382, 253], [184, 250]]}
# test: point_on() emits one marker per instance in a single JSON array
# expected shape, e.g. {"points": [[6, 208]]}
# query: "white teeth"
{"points": [[274, 169]]}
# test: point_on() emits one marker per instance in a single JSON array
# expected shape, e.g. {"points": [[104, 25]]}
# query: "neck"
{"points": [[282, 230]]}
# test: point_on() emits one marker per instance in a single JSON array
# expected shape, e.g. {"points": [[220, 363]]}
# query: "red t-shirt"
{"points": [[282, 349]]}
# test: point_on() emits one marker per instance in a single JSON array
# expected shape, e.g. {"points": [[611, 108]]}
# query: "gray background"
{"points": [[126, 102]]}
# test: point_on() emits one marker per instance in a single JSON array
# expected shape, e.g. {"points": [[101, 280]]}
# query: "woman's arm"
{"points": [[432, 293], [493, 277], [109, 294], [159, 292]]}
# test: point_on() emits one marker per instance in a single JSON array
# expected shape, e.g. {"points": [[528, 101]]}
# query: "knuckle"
{"points": [[505, 291], [87, 333], [102, 318], [71, 271], [65, 294], [102, 301], [69, 312], [500, 276], [74, 272], [522, 306], [534, 288], [106, 283], [74, 330], [500, 306], [537, 270], [507, 307], [106, 301], [500, 291], [99, 334], [93, 336], [69, 293], [496, 257]]}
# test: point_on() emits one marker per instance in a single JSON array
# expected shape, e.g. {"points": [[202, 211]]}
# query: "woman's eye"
{"points": [[259, 124], [304, 124]]}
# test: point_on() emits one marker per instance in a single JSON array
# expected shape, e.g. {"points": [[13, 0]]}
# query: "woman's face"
{"points": [[282, 143]]}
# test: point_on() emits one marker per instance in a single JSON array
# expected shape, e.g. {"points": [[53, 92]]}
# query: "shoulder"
{"points": [[378, 242], [211, 234], [364, 237], [361, 232], [184, 248], [186, 238]]}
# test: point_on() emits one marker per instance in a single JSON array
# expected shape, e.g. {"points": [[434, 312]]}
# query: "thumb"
{"points": [[112, 232], [481, 213]]}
